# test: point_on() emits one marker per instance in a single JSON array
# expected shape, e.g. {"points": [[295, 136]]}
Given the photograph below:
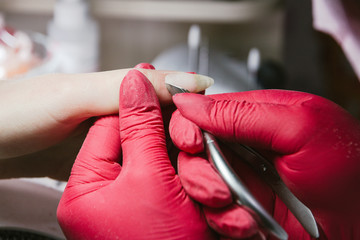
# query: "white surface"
{"points": [[29, 205], [47, 182]]}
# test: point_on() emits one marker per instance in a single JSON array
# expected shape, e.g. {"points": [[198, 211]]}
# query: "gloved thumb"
{"points": [[141, 126]]}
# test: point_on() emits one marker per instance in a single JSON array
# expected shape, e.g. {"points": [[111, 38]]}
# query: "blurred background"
{"points": [[243, 45]]}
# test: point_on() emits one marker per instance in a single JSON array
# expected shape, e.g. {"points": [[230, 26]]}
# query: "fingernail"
{"points": [[191, 82]]}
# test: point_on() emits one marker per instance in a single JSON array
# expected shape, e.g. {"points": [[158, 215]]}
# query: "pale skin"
{"points": [[43, 120]]}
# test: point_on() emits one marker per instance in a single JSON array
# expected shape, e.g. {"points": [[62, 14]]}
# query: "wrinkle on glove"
{"points": [[143, 198], [313, 143]]}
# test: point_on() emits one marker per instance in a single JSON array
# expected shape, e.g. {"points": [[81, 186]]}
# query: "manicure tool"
{"points": [[267, 171]]}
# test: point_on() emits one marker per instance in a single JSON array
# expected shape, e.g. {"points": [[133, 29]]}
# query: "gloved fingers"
{"points": [[166, 110], [166, 114], [232, 221], [99, 154], [258, 236], [145, 66], [185, 134], [276, 97], [262, 125], [201, 182], [141, 125]]}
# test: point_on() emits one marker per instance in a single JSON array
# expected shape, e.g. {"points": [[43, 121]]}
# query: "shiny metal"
{"points": [[175, 89], [242, 195], [239, 190], [269, 174]]}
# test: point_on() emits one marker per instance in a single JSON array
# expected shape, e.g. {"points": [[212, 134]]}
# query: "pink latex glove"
{"points": [[140, 199], [313, 143]]}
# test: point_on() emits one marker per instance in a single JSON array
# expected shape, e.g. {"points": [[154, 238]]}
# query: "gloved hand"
{"points": [[313, 143], [140, 199]]}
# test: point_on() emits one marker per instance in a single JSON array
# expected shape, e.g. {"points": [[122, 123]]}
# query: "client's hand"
{"points": [[140, 199], [313, 143], [43, 120]]}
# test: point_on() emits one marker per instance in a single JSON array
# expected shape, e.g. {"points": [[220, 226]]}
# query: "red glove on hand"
{"points": [[143, 198], [313, 143]]}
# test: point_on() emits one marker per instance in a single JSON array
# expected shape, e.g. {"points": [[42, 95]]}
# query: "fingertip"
{"points": [[201, 182], [136, 90], [145, 66], [141, 125], [190, 103], [196, 108], [232, 221], [185, 134]]}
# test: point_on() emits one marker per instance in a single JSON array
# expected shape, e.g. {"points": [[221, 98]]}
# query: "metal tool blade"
{"points": [[175, 89], [242, 195], [269, 174]]}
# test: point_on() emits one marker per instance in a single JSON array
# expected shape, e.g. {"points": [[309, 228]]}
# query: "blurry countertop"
{"points": [[28, 205]]}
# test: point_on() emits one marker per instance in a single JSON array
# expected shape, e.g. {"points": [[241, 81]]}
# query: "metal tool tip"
{"points": [[175, 89]]}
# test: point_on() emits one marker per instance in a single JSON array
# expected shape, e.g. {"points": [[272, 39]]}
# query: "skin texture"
{"points": [[313, 143], [44, 120], [141, 198], [44, 110]]}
